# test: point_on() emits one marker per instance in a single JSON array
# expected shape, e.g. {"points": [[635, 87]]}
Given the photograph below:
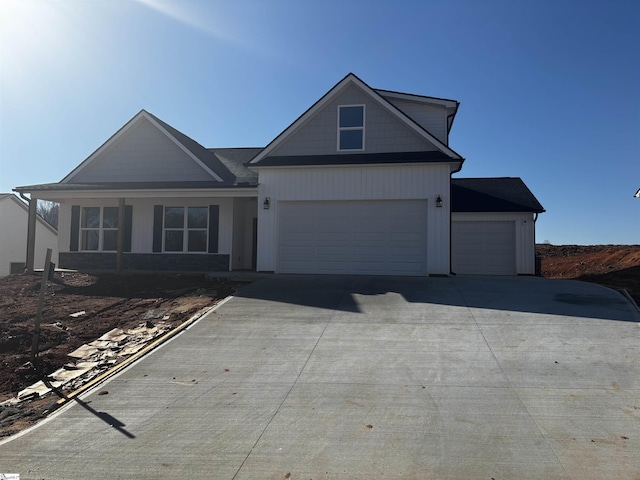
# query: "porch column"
{"points": [[120, 246], [31, 235]]}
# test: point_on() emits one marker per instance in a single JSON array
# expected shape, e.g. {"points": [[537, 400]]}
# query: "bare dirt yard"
{"points": [[78, 309], [128, 301], [616, 266]]}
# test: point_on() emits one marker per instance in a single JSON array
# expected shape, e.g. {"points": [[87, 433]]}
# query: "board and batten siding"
{"points": [[383, 132], [142, 154], [524, 230], [369, 182], [142, 225]]}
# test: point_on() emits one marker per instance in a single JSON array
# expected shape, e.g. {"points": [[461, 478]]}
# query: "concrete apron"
{"points": [[369, 377]]}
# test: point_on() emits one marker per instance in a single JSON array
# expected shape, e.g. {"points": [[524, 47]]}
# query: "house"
{"points": [[14, 215], [360, 183]]}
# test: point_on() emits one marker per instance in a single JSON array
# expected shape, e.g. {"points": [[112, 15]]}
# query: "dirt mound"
{"points": [[611, 265]]}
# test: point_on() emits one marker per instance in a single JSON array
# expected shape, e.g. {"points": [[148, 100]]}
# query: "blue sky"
{"points": [[549, 89]]}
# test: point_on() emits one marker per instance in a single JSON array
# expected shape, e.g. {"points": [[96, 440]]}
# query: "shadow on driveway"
{"points": [[513, 294]]}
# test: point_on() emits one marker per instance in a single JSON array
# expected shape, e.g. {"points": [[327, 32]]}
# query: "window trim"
{"points": [[101, 229], [357, 128], [185, 230]]}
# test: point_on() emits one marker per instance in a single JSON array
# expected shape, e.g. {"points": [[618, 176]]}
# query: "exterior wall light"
{"points": [[439, 201], [267, 203]]}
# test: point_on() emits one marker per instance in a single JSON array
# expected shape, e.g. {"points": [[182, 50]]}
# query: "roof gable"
{"points": [[354, 83], [147, 149]]}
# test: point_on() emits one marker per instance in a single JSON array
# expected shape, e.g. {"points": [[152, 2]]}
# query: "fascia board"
{"points": [[183, 148], [302, 119], [105, 146], [159, 193], [412, 124], [454, 164], [353, 79], [102, 147], [418, 98], [25, 207]]}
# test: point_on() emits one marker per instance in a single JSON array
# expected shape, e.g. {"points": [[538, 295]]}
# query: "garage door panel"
{"points": [[484, 248], [367, 237]]}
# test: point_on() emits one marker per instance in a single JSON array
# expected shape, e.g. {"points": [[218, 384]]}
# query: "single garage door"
{"points": [[353, 237], [484, 248]]}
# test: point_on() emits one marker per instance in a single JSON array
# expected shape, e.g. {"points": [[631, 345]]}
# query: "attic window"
{"points": [[350, 127]]}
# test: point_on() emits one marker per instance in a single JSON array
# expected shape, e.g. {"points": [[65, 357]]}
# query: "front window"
{"points": [[99, 229], [185, 229], [351, 127]]}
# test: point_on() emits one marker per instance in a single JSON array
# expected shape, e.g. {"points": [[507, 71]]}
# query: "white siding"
{"points": [[419, 182], [524, 232], [13, 238], [383, 131], [142, 154]]}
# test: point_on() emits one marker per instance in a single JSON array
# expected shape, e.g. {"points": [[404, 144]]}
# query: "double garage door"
{"points": [[484, 248], [353, 237]]}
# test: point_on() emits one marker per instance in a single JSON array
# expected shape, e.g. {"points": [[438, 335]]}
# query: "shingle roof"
{"points": [[204, 155], [69, 187], [503, 194], [355, 159], [234, 160]]}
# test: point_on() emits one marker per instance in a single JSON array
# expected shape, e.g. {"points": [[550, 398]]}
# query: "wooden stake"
{"points": [[43, 289]]}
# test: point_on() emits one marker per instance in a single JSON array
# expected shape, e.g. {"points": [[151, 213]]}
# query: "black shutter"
{"points": [[214, 220], [128, 227], [158, 213], [75, 228]]}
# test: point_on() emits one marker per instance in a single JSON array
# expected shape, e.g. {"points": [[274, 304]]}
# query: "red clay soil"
{"points": [[109, 301], [615, 266]]}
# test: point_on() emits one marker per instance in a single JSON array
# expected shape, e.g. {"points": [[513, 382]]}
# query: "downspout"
{"points": [[536, 272]]}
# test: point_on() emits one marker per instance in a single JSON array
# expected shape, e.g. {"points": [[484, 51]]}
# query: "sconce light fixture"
{"points": [[439, 201], [267, 203]]}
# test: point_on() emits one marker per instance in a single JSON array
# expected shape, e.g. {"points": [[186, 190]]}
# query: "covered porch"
{"points": [[150, 227]]}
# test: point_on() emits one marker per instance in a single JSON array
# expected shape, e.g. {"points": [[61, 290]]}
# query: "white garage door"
{"points": [[484, 248], [353, 237]]}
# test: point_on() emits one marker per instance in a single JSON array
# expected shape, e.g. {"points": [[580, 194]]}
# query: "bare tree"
{"points": [[49, 211]]}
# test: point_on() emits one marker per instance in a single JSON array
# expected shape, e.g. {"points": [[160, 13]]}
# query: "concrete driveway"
{"points": [[355, 377]]}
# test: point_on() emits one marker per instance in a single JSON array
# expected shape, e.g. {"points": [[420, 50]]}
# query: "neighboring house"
{"points": [[14, 215], [360, 183]]}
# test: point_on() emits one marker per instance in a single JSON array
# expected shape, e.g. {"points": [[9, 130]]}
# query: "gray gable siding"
{"points": [[433, 118], [142, 154], [383, 131]]}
